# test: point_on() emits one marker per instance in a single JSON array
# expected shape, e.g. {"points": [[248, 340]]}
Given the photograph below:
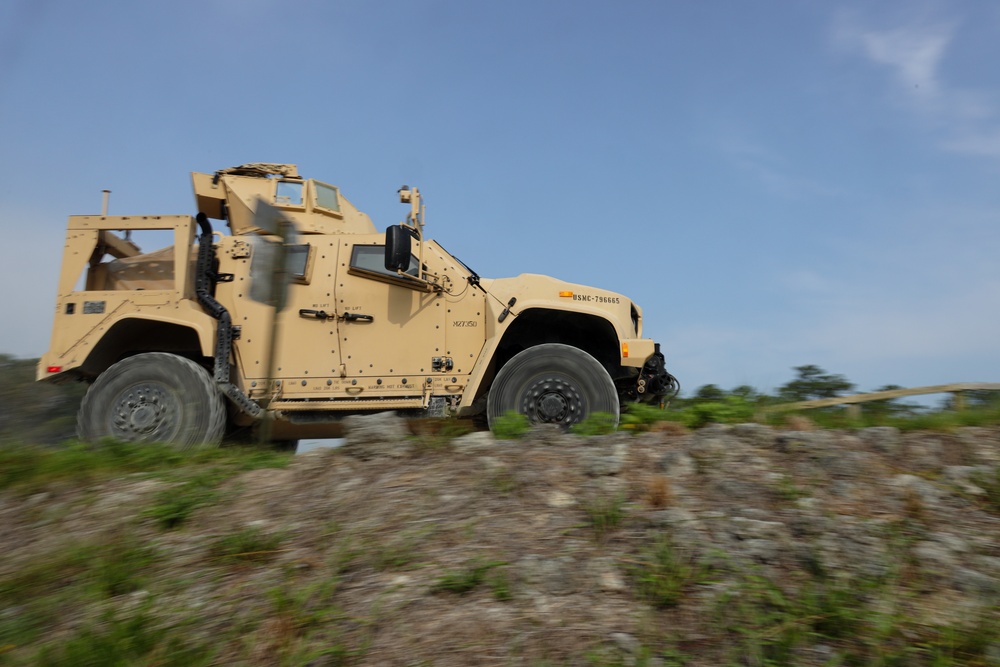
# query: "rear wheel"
{"points": [[154, 397], [552, 384]]}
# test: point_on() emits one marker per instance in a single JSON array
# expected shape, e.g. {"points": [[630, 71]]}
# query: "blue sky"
{"points": [[776, 184]]}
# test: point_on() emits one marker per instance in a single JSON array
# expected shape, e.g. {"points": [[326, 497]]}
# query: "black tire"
{"points": [[154, 397], [552, 383]]}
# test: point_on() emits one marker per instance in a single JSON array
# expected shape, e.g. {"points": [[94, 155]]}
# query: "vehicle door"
{"points": [[391, 326]]}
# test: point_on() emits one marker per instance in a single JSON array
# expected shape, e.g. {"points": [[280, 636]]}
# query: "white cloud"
{"points": [[964, 120], [914, 53]]}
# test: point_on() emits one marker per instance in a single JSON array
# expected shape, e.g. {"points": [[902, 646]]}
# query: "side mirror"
{"points": [[397, 248]]}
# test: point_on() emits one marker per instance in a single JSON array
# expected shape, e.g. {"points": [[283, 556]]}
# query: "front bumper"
{"points": [[654, 383]]}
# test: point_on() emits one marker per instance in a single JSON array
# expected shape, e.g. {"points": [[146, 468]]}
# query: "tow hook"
{"points": [[654, 381]]}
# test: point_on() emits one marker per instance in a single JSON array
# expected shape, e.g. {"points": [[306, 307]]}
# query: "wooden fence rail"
{"points": [[955, 388]]}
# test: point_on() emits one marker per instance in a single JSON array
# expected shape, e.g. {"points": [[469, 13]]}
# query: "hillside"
{"points": [[741, 545]]}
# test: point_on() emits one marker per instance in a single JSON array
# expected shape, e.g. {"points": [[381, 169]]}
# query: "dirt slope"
{"points": [[730, 545]]}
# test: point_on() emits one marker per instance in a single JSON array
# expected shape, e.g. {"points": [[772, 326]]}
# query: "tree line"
{"points": [[812, 383]]}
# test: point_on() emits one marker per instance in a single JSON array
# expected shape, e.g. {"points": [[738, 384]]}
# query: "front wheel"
{"points": [[154, 397], [552, 384]]}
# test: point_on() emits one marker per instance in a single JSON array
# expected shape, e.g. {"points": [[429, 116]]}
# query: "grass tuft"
{"points": [[249, 544], [605, 513], [597, 423], [663, 573], [511, 426], [470, 577]]}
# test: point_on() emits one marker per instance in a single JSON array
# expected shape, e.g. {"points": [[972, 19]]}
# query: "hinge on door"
{"points": [[240, 249]]}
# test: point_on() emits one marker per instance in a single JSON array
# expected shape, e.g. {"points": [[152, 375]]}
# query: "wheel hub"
{"points": [[141, 411], [552, 401]]}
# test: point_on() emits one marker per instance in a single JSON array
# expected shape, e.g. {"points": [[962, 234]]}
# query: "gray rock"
{"points": [[548, 434], [712, 444], [934, 555], [476, 441], [677, 463], [982, 443], [674, 518], [743, 491], [756, 435], [884, 439], [923, 451], [961, 478], [808, 442], [747, 529], [625, 642], [556, 576], [606, 576], [976, 583], [763, 551], [377, 436], [602, 461], [988, 564], [906, 485], [952, 543]]}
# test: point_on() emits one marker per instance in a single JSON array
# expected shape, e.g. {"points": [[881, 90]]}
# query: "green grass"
{"points": [[32, 466], [72, 576], [511, 426], [135, 638], [861, 621], [605, 513], [641, 416], [197, 482], [938, 420], [470, 577], [172, 507], [400, 550], [597, 423], [122, 565], [28, 468], [249, 544], [663, 573]]}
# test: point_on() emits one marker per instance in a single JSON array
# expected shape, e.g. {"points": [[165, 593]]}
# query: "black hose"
{"points": [[205, 280]]}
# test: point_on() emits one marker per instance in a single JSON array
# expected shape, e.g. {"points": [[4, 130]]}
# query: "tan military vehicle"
{"points": [[304, 313]]}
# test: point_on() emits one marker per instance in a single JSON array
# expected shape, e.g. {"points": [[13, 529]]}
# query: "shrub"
{"points": [[729, 410], [597, 423], [172, 507], [511, 426], [247, 544], [464, 580], [605, 513], [663, 573], [641, 416]]}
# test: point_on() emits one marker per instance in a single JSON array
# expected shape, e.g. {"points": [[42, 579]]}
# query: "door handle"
{"points": [[352, 317], [318, 314]]}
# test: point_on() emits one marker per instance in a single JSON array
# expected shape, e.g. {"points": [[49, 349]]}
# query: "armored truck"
{"points": [[299, 312]]}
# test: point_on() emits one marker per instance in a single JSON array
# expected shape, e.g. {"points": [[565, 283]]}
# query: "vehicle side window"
{"points": [[326, 196], [371, 259], [288, 193], [297, 259]]}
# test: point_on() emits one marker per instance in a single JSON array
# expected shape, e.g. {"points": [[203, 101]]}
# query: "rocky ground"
{"points": [[743, 545]]}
